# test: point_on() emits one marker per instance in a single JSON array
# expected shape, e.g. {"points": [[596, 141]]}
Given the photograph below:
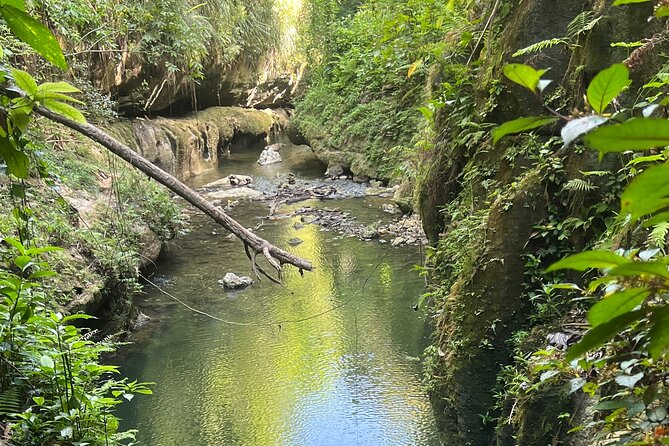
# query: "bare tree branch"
{"points": [[277, 257]]}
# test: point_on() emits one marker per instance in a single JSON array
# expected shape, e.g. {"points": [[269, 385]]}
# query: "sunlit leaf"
{"points": [[635, 134], [523, 75], [602, 333], [606, 86], [627, 2], [588, 260], [414, 66], [577, 127], [18, 4], [65, 110], [647, 193], [520, 125], [616, 304], [34, 34], [629, 380], [656, 269], [24, 81]]}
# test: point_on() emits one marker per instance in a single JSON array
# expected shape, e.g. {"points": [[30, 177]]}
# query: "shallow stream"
{"points": [[330, 358]]}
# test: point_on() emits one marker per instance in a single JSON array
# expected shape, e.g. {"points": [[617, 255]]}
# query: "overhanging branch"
{"points": [[276, 256]]}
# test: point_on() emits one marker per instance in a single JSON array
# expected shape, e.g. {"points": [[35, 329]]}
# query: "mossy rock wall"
{"points": [[191, 145], [481, 301]]}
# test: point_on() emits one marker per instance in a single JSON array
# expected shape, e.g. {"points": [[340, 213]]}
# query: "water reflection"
{"points": [[318, 361]]}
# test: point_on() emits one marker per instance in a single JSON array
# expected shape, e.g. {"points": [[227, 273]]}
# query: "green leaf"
{"points": [[658, 334], [627, 2], [587, 260], [18, 163], [661, 11], [34, 34], [606, 86], [24, 81], [46, 362], [65, 110], [56, 90], [635, 134], [577, 127], [647, 193], [602, 333], [18, 4], [523, 75], [520, 125], [640, 268], [616, 304]]}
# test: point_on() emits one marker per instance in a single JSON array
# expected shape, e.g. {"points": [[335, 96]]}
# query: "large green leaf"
{"points": [[635, 134], [647, 193], [34, 34], [523, 75], [17, 162], [18, 4], [65, 110], [659, 332], [657, 269], [627, 2], [587, 260], [24, 81], [607, 85], [615, 305], [602, 333], [520, 125]]}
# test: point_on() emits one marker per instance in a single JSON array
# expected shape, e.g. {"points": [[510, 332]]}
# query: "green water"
{"points": [[325, 359]]}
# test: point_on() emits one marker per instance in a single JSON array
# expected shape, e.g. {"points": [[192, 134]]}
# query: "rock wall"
{"points": [[191, 145], [482, 301]]}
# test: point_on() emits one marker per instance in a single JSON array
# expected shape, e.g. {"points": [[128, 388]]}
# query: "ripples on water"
{"points": [[345, 377]]}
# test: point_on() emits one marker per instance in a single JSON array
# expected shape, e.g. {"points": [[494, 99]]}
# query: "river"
{"points": [[331, 358]]}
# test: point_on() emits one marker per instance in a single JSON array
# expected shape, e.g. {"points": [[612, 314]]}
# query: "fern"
{"points": [[582, 23], [658, 236], [540, 46], [10, 402], [579, 185]]}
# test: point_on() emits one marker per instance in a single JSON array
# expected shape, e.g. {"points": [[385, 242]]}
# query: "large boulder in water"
{"points": [[269, 156], [232, 281]]}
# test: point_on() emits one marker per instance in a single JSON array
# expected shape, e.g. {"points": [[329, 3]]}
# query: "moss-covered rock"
{"points": [[191, 145]]}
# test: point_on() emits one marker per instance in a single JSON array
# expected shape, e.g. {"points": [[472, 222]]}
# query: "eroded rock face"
{"points": [[191, 145]]}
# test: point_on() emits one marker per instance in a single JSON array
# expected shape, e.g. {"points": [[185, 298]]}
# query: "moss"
{"points": [[107, 217]]}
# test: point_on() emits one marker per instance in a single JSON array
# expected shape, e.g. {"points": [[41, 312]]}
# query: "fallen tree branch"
{"points": [[276, 257]]}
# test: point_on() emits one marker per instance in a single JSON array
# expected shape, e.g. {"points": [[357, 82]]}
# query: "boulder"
{"points": [[334, 170], [269, 156], [232, 281]]}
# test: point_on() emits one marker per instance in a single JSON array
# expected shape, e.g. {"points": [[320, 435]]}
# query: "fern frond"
{"points": [[10, 401], [583, 22], [579, 185], [658, 236], [539, 46]]}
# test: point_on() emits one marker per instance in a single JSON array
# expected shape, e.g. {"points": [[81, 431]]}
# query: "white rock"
{"points": [[269, 156], [232, 281]]}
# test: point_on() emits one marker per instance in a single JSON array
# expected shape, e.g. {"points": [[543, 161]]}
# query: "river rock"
{"points": [[295, 241], [233, 193], [359, 178], [139, 321], [269, 156], [334, 170], [232, 281], [390, 208], [230, 180], [276, 146]]}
